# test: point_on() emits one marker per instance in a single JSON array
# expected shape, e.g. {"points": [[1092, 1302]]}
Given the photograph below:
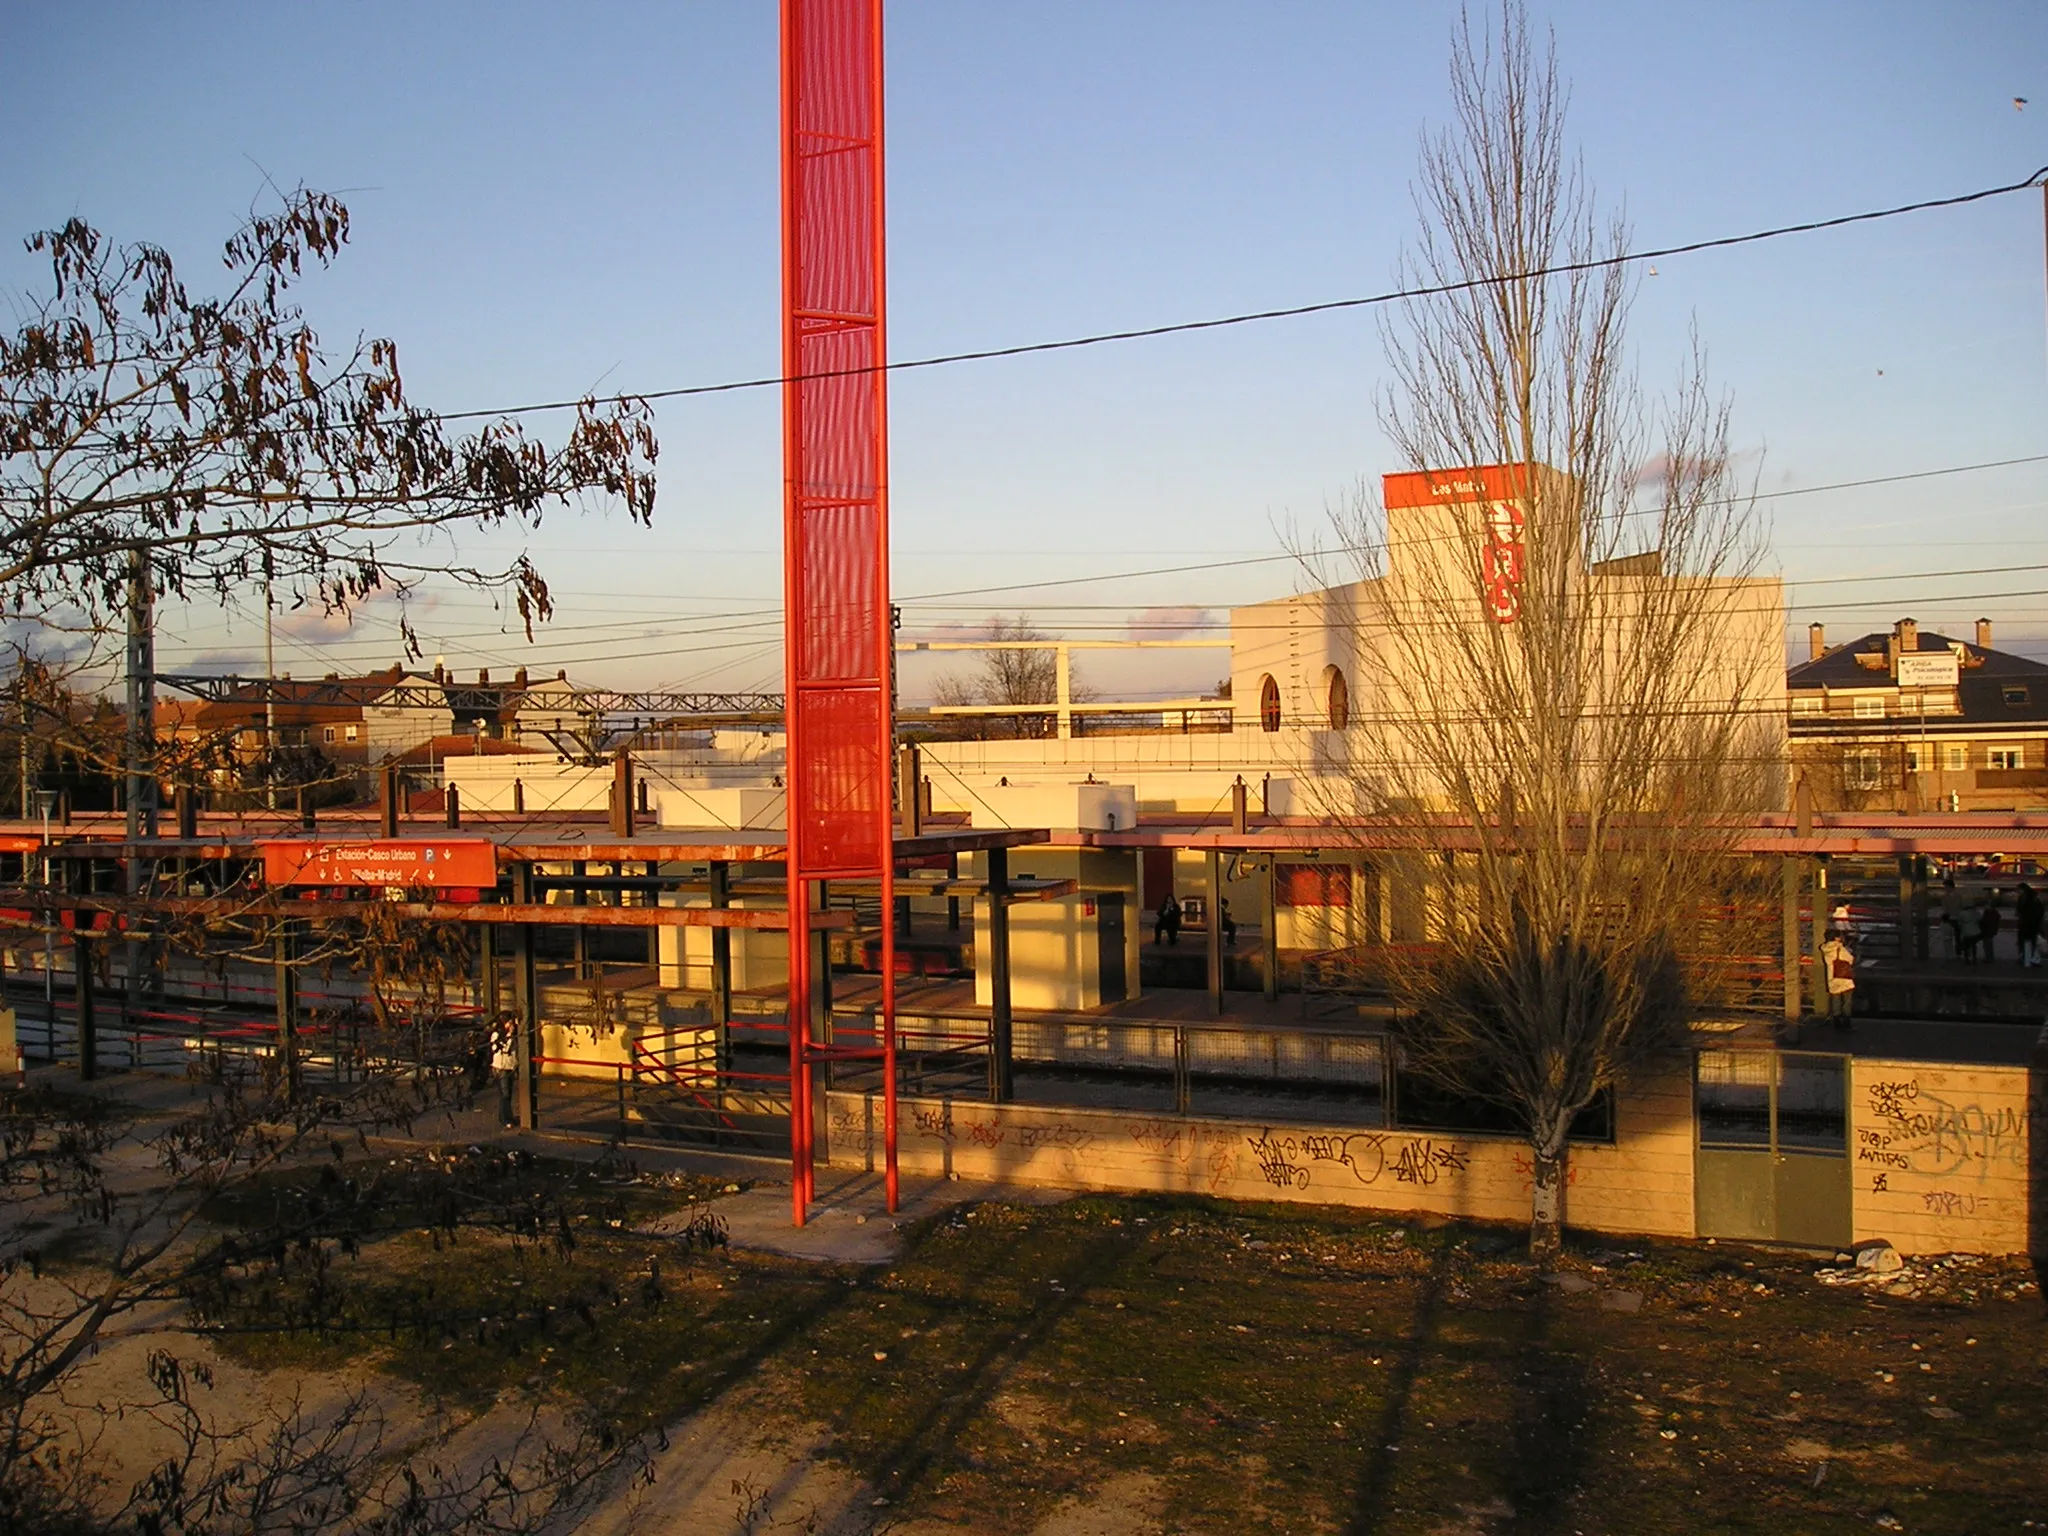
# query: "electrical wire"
{"points": [[772, 615], [1252, 317]]}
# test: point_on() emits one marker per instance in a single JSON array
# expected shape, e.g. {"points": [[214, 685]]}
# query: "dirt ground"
{"points": [[1119, 1365]]}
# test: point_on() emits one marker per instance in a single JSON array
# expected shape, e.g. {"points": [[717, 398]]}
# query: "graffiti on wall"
{"points": [[1525, 1170], [938, 1122], [1178, 1143], [1910, 1128], [1292, 1161]]}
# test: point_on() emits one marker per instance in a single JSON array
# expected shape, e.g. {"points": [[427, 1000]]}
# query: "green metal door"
{"points": [[1772, 1159], [1810, 1140]]}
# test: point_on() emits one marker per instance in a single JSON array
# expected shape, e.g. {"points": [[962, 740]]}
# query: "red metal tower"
{"points": [[838, 632]]}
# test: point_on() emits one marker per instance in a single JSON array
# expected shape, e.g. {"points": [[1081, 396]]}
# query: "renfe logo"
{"points": [[1501, 561]]}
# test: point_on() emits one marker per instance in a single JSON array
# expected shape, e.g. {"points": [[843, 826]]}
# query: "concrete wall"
{"points": [[760, 956], [1946, 1159], [1294, 640], [1055, 948], [545, 783], [761, 809], [1643, 1184]]}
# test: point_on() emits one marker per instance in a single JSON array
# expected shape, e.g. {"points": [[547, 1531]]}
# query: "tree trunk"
{"points": [[1546, 1205]]}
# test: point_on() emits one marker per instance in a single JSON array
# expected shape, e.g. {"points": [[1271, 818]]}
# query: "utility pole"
{"points": [[142, 789], [269, 706], [141, 794], [21, 686]]}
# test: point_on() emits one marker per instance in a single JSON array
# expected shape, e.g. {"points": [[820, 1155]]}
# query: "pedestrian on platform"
{"points": [[1989, 921], [2026, 918], [1839, 962], [1229, 923], [1952, 916], [505, 1066], [1166, 927]]}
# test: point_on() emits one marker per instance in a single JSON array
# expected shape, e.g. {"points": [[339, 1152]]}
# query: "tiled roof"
{"points": [[1981, 690]]}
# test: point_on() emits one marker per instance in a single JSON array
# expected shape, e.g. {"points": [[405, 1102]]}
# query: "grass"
{"points": [[1267, 1368]]}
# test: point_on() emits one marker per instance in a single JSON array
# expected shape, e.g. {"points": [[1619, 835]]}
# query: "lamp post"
{"points": [[46, 801]]}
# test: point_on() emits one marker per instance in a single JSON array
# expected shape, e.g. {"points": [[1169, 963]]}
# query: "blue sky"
{"points": [[550, 199]]}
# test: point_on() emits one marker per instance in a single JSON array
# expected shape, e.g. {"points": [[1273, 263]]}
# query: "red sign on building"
{"points": [[409, 862], [1501, 561], [1501, 491], [1454, 487]]}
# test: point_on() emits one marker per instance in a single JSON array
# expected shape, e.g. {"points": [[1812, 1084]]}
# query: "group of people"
{"points": [[1974, 923]]}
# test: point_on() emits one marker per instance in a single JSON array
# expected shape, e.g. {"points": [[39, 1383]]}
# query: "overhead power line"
{"points": [[1289, 312]]}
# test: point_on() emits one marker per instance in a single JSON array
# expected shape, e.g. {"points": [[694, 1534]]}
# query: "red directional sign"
{"points": [[406, 861]]}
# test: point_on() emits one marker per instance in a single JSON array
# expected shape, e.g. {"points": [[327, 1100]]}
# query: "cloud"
{"points": [[238, 663], [1654, 474], [1182, 622], [310, 622]]}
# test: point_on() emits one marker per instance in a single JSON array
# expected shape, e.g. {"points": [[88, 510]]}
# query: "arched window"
{"points": [[1269, 703], [1338, 693]]}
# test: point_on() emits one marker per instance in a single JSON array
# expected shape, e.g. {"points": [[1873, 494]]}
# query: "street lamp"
{"points": [[46, 801]]}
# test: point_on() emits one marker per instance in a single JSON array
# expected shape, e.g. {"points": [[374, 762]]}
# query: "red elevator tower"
{"points": [[838, 633]]}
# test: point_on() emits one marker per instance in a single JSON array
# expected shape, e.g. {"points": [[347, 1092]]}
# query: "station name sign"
{"points": [[408, 861]]}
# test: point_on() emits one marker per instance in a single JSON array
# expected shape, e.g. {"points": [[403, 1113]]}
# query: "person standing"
{"points": [[1229, 923], [505, 1067], [1840, 963], [2026, 919], [1989, 921], [1952, 916], [1167, 921]]}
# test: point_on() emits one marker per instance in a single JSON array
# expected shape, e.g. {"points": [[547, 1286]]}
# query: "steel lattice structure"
{"points": [[425, 693], [837, 637]]}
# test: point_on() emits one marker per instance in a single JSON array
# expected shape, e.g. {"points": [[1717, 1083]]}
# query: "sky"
{"points": [[554, 199]]}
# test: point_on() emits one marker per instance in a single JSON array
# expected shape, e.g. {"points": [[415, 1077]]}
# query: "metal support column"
{"points": [[526, 999], [1790, 940], [580, 935], [1213, 868], [651, 897], [1917, 912], [1002, 1080], [1795, 980], [1269, 926], [721, 965], [487, 972], [1904, 915], [818, 1083], [839, 641], [88, 1026], [139, 785]]}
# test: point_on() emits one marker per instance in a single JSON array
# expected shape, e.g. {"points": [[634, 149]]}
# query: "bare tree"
{"points": [[1014, 670], [1574, 692], [216, 441]]}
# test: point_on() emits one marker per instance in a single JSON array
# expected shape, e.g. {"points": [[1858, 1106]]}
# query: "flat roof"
{"points": [[1992, 833], [1954, 1042], [553, 841]]}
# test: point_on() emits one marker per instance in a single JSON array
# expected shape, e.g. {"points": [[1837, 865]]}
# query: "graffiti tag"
{"points": [[1423, 1161]]}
